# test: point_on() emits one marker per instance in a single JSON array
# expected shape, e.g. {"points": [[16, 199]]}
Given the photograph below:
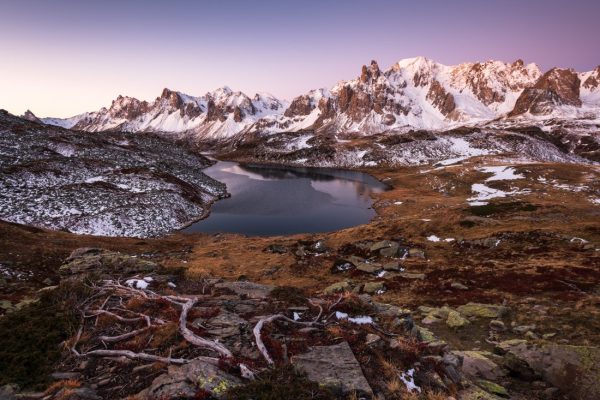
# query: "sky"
{"points": [[63, 57]]}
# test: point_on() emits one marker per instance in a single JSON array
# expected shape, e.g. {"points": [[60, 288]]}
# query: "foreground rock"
{"points": [[188, 380], [334, 366], [575, 370]]}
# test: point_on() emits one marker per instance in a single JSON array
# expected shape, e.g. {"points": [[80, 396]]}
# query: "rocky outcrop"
{"points": [[301, 105], [593, 80], [441, 99], [556, 87]]}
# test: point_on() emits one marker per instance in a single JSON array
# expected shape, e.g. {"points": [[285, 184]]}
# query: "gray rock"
{"points": [[226, 324], [373, 287], [342, 286], [383, 244], [411, 275], [392, 266], [478, 364], [372, 339], [575, 370], [185, 381], [458, 286], [416, 253], [249, 289], [497, 325], [368, 267], [354, 260], [522, 329], [334, 366]]}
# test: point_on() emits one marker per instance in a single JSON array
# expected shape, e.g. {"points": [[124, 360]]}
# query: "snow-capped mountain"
{"points": [[415, 93], [217, 114]]}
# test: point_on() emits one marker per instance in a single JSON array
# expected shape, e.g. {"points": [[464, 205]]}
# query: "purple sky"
{"points": [[60, 58]]}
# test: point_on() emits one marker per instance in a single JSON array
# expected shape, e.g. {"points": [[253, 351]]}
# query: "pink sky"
{"points": [[62, 58]]}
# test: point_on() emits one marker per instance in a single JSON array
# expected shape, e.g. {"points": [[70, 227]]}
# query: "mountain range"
{"points": [[415, 93]]}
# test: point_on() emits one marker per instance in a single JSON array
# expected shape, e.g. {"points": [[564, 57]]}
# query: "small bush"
{"points": [[30, 337]]}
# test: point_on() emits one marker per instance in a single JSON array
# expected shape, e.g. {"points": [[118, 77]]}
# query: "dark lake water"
{"points": [[275, 201]]}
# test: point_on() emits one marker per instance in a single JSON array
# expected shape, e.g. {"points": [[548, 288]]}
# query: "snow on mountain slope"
{"points": [[221, 113], [414, 93]]}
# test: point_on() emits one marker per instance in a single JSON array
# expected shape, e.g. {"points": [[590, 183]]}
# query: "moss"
{"points": [[30, 337], [284, 382], [493, 388]]}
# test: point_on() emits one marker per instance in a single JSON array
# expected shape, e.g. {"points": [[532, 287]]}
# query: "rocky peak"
{"points": [[593, 80], [556, 87], [370, 73], [441, 99], [172, 97], [30, 116]]}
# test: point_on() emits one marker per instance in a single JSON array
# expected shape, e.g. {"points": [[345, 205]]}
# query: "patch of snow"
{"points": [[409, 380], [398, 203], [501, 173], [433, 238], [171, 284], [137, 283], [296, 316], [360, 320]]}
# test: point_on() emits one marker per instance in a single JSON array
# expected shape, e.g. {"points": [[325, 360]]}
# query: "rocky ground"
{"points": [[477, 280], [112, 184], [552, 143]]}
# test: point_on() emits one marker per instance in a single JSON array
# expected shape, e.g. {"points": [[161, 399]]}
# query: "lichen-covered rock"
{"points": [[479, 364], [482, 310], [373, 287], [337, 287], [575, 370], [184, 382], [334, 366], [455, 320], [86, 262]]}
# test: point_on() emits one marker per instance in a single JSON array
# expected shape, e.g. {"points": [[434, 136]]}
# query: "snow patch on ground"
{"points": [[409, 380], [360, 320], [501, 173]]}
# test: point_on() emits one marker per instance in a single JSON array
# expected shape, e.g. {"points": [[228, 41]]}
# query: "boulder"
{"points": [[575, 370], [416, 253], [334, 366], [373, 287], [392, 266], [186, 380], [478, 364], [455, 320], [368, 267], [342, 286]]}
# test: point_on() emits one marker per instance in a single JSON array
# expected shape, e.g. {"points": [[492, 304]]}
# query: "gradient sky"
{"points": [[60, 57]]}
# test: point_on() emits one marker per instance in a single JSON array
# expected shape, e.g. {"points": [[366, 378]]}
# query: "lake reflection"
{"points": [[282, 200]]}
